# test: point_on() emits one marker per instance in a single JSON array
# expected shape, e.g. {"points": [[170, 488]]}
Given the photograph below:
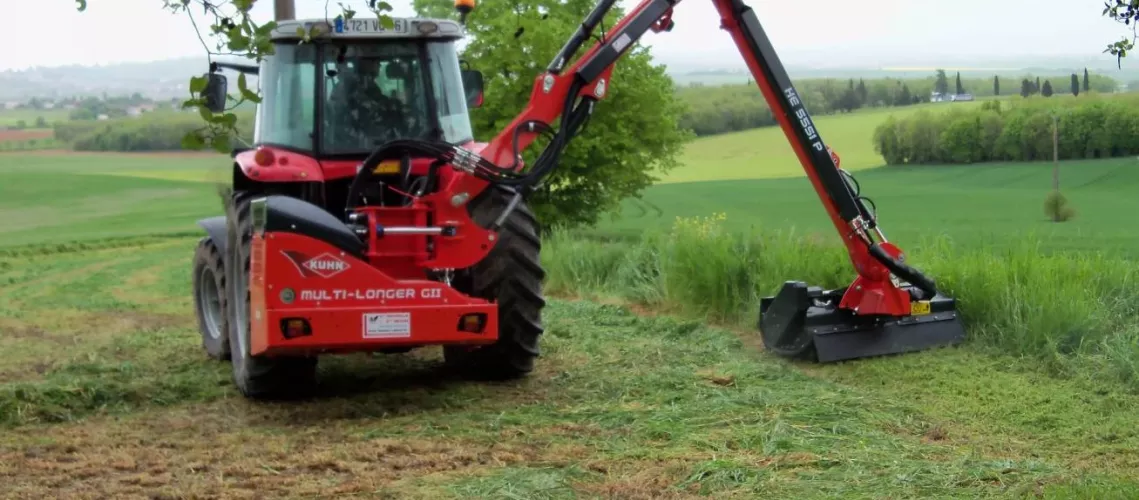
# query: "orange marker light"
{"points": [[464, 7], [472, 323], [292, 328]]}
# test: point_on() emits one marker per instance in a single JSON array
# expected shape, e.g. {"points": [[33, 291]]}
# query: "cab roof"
{"points": [[368, 27]]}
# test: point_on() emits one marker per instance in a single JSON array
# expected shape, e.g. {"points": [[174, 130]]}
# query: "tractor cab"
{"points": [[356, 84]]}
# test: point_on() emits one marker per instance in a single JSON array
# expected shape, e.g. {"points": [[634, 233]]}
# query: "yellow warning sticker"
{"points": [[387, 167], [919, 307]]}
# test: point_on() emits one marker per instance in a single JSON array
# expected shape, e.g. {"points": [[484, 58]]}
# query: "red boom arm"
{"points": [[874, 291]]}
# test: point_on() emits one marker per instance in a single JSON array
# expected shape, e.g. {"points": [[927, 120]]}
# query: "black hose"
{"points": [[572, 118], [901, 270]]}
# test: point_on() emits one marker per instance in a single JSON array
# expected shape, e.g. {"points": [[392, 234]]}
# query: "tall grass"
{"points": [[1071, 311]]}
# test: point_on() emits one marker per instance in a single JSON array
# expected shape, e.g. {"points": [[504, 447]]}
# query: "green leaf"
{"points": [[246, 93], [206, 114], [221, 142], [227, 119], [192, 140], [198, 84], [266, 28], [348, 12]]}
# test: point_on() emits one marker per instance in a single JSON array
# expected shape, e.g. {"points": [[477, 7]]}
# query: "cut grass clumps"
{"points": [[1014, 298], [142, 369]]}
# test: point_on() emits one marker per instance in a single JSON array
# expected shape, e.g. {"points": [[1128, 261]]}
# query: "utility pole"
{"points": [[284, 10]]}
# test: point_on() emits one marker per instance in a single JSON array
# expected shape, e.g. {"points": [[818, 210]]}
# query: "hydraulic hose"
{"points": [[906, 272]]}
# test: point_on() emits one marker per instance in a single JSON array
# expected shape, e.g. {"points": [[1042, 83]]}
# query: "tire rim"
{"points": [[210, 301]]}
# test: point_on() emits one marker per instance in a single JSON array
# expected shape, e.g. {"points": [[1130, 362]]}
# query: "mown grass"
{"points": [[104, 390]]}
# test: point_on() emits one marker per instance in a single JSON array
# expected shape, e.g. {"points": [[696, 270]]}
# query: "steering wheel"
{"points": [[383, 120]]}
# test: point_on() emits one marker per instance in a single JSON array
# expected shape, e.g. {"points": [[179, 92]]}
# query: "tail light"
{"points": [[472, 323]]}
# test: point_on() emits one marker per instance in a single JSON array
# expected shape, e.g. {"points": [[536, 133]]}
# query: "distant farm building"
{"points": [[939, 97]]}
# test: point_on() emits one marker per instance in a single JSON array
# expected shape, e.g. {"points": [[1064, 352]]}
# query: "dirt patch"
{"points": [[677, 476], [13, 329], [210, 453], [24, 135]]}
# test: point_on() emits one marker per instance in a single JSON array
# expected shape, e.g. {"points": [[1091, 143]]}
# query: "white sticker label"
{"points": [[387, 325]]}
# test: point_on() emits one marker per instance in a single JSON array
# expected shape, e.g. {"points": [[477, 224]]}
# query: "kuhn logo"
{"points": [[324, 265]]}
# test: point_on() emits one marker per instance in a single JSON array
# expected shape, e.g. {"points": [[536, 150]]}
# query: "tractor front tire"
{"points": [[210, 299], [511, 276], [256, 377]]}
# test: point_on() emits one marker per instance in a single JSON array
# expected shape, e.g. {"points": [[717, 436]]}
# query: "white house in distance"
{"points": [[939, 97]]}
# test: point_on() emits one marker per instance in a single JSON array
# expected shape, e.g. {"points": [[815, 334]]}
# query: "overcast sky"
{"points": [[817, 32]]}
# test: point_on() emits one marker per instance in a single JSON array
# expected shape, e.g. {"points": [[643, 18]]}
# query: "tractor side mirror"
{"points": [[472, 84], [215, 92]]}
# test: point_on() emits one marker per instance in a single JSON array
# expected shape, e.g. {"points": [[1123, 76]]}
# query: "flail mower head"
{"points": [[891, 308]]}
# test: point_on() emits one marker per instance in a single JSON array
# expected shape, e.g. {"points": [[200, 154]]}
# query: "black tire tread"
{"points": [[207, 254], [259, 377], [511, 275]]}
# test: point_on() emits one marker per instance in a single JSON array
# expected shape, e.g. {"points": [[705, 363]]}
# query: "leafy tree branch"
{"points": [[1126, 12]]}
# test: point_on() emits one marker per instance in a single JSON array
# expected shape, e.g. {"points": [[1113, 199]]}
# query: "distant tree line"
{"points": [[1095, 126], [1030, 87], [710, 109], [734, 107]]}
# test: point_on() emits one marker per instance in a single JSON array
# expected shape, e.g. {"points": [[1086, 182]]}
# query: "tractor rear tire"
{"points": [[511, 275], [256, 377], [210, 299]]}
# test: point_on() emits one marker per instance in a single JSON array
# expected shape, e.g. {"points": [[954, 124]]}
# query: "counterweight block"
{"points": [[804, 322]]}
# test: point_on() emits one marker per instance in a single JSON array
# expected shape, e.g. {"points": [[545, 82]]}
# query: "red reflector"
{"points": [[472, 323], [295, 327], [263, 157]]}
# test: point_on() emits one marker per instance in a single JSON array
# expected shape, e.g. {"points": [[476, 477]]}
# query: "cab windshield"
{"points": [[369, 93]]}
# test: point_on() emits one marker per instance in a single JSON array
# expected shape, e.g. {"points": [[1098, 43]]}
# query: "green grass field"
{"points": [[105, 391], [10, 117], [57, 198], [973, 204], [765, 153]]}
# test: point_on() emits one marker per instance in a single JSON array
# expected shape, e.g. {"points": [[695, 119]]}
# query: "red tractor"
{"points": [[366, 217]]}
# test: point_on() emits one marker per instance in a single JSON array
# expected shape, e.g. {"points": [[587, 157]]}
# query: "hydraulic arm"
{"points": [[890, 307]]}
